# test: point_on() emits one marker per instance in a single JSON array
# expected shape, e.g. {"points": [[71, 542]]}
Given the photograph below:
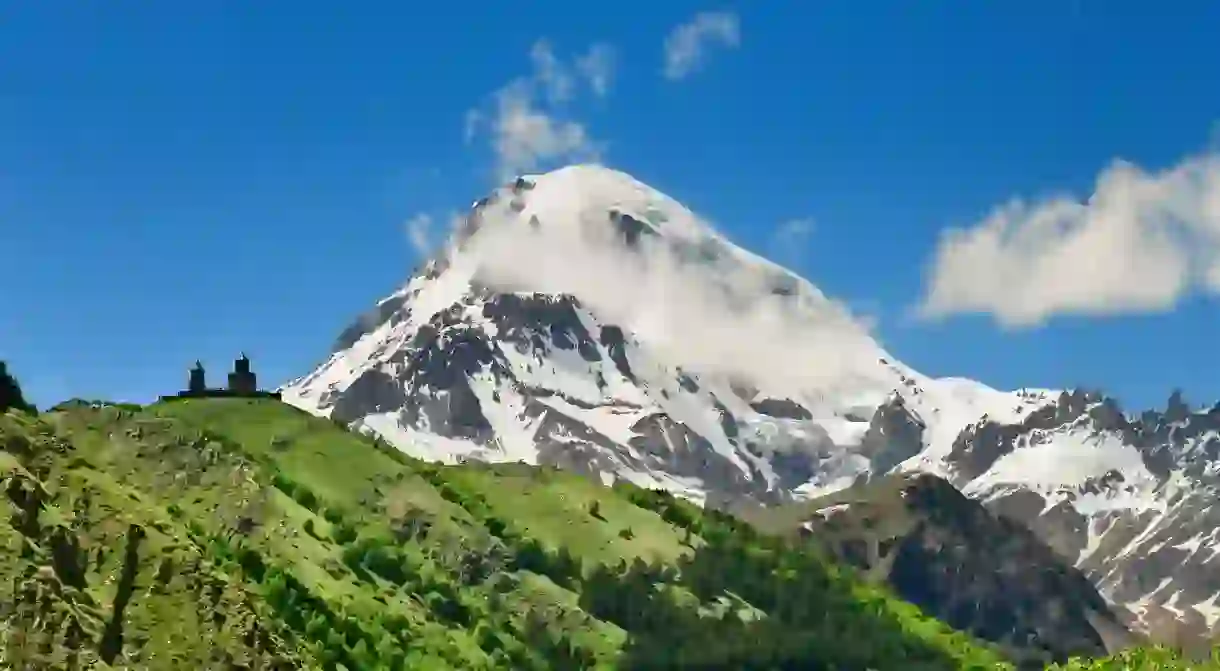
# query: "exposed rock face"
{"points": [[457, 366], [388, 310], [894, 435], [978, 572], [781, 407], [437, 379], [1128, 500]]}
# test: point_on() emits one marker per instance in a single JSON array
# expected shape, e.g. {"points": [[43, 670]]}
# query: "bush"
{"points": [[344, 533], [10, 392]]}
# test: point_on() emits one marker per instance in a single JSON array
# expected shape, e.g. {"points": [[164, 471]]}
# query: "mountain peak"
{"points": [[575, 192], [590, 199]]}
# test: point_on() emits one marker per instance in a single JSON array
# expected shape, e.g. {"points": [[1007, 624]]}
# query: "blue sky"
{"points": [[187, 180]]}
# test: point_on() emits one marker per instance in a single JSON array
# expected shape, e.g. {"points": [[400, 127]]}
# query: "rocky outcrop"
{"points": [[894, 435], [977, 571], [781, 407]]}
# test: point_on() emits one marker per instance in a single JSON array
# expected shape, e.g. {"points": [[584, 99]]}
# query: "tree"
{"points": [[10, 392]]}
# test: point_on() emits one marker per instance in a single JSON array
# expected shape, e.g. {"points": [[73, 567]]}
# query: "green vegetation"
{"points": [[234, 533], [10, 392], [1158, 657]]}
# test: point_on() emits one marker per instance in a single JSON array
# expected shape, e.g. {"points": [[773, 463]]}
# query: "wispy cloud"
{"points": [[1140, 243], [794, 231], [426, 233], [419, 233], [687, 45], [555, 78], [597, 66], [527, 120], [707, 311], [789, 240], [470, 129]]}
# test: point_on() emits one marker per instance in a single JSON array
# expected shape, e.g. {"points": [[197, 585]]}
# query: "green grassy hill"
{"points": [[229, 533]]}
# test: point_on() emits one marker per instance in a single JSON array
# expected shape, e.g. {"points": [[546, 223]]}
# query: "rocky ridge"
{"points": [[976, 570]]}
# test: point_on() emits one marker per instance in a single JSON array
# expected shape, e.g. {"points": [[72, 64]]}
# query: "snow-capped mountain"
{"points": [[582, 319]]}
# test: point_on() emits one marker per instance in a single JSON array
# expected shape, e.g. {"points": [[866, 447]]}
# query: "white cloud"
{"points": [[789, 240], [555, 78], [525, 136], [424, 231], [419, 233], [597, 66], [471, 128], [794, 231], [1142, 242], [699, 308], [686, 46], [527, 124]]}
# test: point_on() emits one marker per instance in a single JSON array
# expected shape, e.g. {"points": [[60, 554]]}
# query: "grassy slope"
{"points": [[92, 566], [233, 533]]}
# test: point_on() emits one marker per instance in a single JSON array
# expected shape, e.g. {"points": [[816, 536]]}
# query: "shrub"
{"points": [[10, 392]]}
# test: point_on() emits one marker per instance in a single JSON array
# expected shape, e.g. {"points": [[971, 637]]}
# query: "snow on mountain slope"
{"points": [[583, 319], [1130, 500]]}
